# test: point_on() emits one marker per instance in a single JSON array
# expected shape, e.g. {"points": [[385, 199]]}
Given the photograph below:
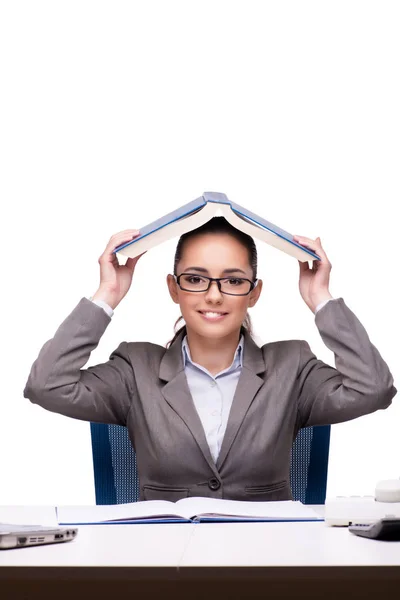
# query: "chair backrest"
{"points": [[309, 464], [116, 479]]}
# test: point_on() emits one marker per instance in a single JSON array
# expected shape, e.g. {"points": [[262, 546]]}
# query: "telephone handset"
{"points": [[388, 490]]}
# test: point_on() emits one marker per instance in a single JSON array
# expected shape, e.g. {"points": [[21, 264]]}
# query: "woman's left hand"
{"points": [[314, 282]]}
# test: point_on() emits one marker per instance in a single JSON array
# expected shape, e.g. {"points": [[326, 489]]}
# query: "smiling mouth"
{"points": [[211, 315]]}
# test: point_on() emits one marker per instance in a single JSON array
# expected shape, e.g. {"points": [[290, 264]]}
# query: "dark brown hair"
{"points": [[217, 225]]}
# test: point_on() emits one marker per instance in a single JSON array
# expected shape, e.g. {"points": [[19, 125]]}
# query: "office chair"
{"points": [[116, 479]]}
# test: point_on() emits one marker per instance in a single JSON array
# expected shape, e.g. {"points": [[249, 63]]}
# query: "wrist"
{"points": [[320, 299], [107, 297]]}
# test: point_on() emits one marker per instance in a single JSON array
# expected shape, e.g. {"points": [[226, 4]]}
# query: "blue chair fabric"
{"points": [[116, 478]]}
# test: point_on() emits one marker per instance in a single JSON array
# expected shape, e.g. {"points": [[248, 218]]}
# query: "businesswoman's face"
{"points": [[213, 255]]}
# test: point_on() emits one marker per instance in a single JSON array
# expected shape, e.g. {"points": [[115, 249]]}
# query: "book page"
{"points": [[254, 223], [153, 237], [267, 232], [279, 511], [147, 509]]}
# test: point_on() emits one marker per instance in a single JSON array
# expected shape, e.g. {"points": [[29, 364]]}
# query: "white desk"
{"points": [[109, 546], [285, 545], [207, 561]]}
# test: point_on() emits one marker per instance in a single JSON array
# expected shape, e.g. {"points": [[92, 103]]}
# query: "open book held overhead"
{"points": [[199, 211]]}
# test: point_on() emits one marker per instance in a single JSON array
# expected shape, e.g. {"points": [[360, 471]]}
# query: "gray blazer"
{"points": [[282, 387]]}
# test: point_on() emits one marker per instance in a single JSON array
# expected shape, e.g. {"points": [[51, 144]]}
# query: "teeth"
{"points": [[212, 314]]}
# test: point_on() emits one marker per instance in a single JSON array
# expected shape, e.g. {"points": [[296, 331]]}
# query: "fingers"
{"points": [[117, 240], [304, 266], [122, 236], [308, 242], [314, 245]]}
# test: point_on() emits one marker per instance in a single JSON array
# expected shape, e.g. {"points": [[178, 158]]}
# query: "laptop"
{"points": [[22, 536]]}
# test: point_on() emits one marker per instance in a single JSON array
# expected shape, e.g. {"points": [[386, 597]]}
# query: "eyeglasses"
{"points": [[233, 286]]}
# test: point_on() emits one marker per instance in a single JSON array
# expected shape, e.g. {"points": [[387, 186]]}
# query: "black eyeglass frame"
{"points": [[218, 280]]}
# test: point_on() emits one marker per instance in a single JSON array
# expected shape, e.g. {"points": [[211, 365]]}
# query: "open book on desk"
{"points": [[187, 510]]}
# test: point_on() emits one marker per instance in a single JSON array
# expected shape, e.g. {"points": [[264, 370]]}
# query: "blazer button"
{"points": [[214, 484]]}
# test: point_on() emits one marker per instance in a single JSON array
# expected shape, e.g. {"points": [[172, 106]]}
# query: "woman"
{"points": [[213, 414]]}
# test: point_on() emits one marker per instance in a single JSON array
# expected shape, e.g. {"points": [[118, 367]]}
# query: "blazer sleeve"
{"points": [[361, 382], [102, 393]]}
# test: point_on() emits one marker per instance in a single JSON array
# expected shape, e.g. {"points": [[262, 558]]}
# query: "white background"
{"points": [[114, 113]]}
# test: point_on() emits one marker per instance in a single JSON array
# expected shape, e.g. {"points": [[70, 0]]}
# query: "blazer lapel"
{"points": [[248, 385], [177, 393]]}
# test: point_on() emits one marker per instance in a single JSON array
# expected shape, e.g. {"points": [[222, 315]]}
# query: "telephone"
{"points": [[349, 510]]}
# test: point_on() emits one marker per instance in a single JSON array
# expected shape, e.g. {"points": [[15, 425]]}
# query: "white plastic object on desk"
{"points": [[343, 511], [388, 490]]}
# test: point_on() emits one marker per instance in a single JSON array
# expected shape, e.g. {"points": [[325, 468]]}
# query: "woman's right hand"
{"points": [[116, 279]]}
